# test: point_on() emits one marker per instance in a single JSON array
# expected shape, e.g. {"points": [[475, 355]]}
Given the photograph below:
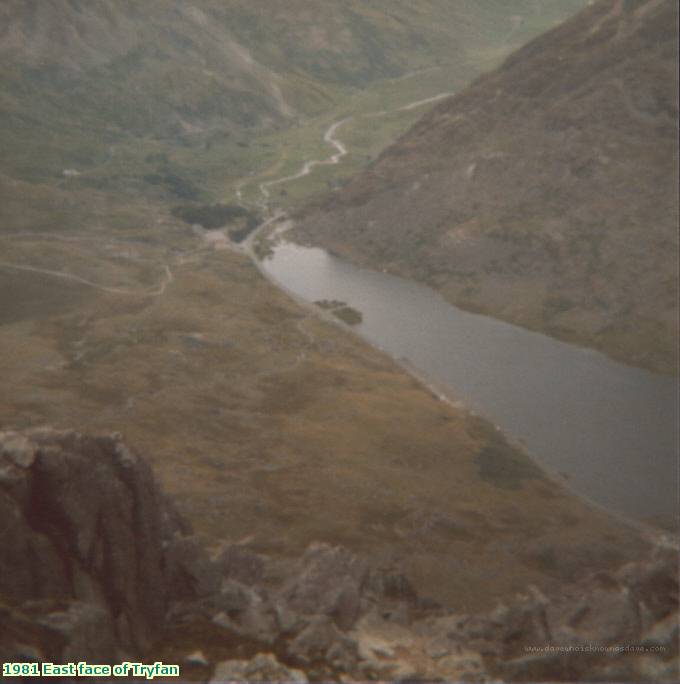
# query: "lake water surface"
{"points": [[612, 430]]}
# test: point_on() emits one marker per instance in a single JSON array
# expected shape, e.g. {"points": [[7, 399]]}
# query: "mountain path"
{"points": [[341, 150], [330, 137], [65, 275]]}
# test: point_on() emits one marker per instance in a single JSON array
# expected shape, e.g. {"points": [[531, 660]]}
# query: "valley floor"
{"points": [[270, 424], [265, 422]]}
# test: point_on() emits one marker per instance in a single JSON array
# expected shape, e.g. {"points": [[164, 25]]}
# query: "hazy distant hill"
{"points": [[76, 76], [545, 193]]}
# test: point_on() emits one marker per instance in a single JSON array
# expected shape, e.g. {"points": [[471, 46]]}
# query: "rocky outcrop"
{"points": [[610, 626], [96, 566], [89, 547], [329, 582], [620, 625]]}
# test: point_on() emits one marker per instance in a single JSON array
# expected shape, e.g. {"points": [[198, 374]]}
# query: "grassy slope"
{"points": [[261, 420]]}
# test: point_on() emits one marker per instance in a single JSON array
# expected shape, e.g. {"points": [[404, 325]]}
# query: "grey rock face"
{"points": [[88, 630], [94, 563], [330, 582], [192, 573], [322, 640], [246, 612], [601, 616], [242, 564], [84, 527], [602, 620], [654, 583]]}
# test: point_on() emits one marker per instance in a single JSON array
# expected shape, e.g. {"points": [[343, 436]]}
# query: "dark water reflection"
{"points": [[611, 429]]}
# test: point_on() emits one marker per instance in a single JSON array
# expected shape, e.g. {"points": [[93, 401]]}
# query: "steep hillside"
{"points": [[98, 566], [243, 60], [545, 193], [80, 80]]}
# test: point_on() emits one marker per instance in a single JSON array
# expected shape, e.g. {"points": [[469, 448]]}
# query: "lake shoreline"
{"points": [[443, 393]]}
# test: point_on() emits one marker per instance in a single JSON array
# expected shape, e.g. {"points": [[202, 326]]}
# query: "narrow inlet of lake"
{"points": [[609, 429]]}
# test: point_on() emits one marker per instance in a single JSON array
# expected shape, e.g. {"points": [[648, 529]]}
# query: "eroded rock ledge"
{"points": [[96, 565]]}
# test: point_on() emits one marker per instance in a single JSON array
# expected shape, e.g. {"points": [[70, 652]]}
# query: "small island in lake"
{"points": [[341, 310]]}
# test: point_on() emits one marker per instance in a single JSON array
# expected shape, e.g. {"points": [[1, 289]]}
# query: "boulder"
{"points": [[329, 581], [599, 617], [322, 640], [288, 620], [246, 612], [192, 574], [665, 633], [654, 582]]}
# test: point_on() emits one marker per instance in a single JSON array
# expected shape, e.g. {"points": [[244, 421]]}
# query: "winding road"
{"points": [[341, 150], [329, 137], [247, 247]]}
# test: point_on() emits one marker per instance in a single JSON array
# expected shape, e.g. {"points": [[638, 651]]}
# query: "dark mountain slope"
{"points": [[545, 193]]}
